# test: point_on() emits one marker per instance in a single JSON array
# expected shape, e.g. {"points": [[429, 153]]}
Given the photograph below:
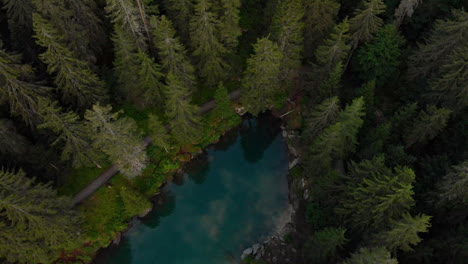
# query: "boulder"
{"points": [[246, 253], [255, 248]]}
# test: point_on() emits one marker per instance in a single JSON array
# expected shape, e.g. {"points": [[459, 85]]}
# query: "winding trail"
{"points": [[112, 170]]}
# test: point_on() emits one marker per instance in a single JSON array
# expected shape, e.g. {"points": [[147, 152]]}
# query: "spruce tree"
{"points": [[319, 19], [171, 52], [334, 49], [149, 78], [229, 28], [133, 202], [427, 125], [446, 38], [182, 115], [450, 85], [288, 32], [352, 119], [222, 111], [366, 22], [260, 84], [378, 198], [125, 14], [322, 116], [404, 233], [452, 188], [72, 135], [180, 11], [371, 256], [208, 50], [16, 91], [158, 132], [325, 243], [119, 138], [36, 224], [77, 83], [380, 58]]}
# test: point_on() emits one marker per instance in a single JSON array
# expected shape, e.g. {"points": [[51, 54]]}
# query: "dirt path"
{"points": [[112, 170]]}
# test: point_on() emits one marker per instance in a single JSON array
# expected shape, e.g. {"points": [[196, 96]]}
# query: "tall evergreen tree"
{"points": [[223, 110], [334, 49], [158, 132], [182, 115], [20, 95], [230, 30], [171, 52], [125, 14], [78, 84], [119, 138], [325, 244], [208, 49], [446, 38], [371, 256], [180, 11], [453, 186], [149, 78], [322, 116], [427, 125], [35, 223], [366, 22], [404, 233], [288, 32], [319, 19], [73, 137], [405, 9], [261, 78]]}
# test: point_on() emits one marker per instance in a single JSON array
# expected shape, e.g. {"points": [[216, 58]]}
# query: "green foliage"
{"points": [[371, 256], [230, 30], [208, 49], [20, 23], [322, 116], [78, 84], [380, 58], [149, 78], [427, 125], [325, 243], [180, 12], [366, 22], [125, 14], [35, 223], [182, 115], [133, 202], [118, 138], [12, 144], [20, 95], [319, 17], [171, 52], [315, 216], [72, 133], [454, 185], [288, 32], [379, 197], [334, 49], [261, 78], [404, 233], [223, 110], [158, 132]]}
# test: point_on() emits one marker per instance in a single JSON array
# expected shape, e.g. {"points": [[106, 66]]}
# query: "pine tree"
{"points": [[78, 84], [427, 125], [180, 12], [20, 24], [319, 19], [72, 136], [325, 244], [446, 39], [119, 138], [378, 198], [149, 78], [208, 49], [36, 224], [453, 186], [366, 22], [261, 78], [230, 30], [352, 119], [182, 115], [171, 52], [222, 110], [405, 9], [20, 95], [134, 203], [158, 132], [404, 233], [288, 32], [125, 14], [322, 116], [450, 85], [380, 58], [376, 255]]}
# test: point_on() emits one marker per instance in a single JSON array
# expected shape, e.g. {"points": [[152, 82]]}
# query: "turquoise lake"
{"points": [[233, 196]]}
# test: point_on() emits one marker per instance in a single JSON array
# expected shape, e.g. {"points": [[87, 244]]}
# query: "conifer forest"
{"points": [[103, 101]]}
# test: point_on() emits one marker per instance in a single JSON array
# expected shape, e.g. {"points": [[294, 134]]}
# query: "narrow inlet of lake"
{"points": [[233, 196]]}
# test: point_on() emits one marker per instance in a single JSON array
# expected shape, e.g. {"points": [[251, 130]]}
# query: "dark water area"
{"points": [[234, 195]]}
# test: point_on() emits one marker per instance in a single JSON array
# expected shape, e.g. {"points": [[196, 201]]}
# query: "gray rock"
{"points": [[246, 253], [117, 239], [306, 194], [255, 248], [293, 163], [285, 134]]}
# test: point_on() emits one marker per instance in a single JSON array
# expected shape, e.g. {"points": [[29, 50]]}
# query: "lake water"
{"points": [[232, 197]]}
